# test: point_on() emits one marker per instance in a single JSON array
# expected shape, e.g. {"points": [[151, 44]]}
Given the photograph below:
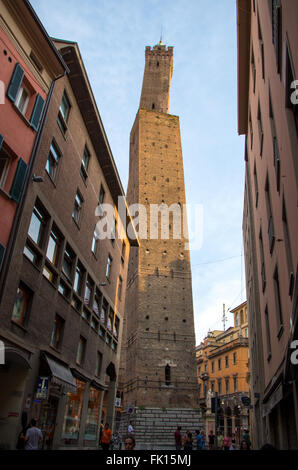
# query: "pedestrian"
{"points": [[247, 438], [100, 430], [211, 440], [106, 437], [178, 438], [203, 440], [33, 436], [130, 428], [243, 445], [129, 442], [116, 443], [198, 439], [187, 442], [220, 440], [227, 443]]}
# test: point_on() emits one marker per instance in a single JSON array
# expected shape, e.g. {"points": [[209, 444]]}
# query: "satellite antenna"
{"points": [[224, 318]]}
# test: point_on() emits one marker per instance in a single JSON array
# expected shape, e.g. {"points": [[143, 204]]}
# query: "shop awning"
{"points": [[61, 375]]}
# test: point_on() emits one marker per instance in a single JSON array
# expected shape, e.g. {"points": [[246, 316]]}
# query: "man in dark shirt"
{"points": [[178, 438], [211, 438]]}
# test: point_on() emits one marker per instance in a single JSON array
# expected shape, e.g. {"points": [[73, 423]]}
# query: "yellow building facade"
{"points": [[222, 369]]}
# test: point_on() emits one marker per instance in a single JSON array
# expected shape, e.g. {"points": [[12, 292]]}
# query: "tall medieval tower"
{"points": [[158, 368]]}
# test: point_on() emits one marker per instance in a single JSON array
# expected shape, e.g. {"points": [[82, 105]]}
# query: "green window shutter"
{"points": [[37, 111], [18, 181], [2, 252], [1, 141], [15, 82]]}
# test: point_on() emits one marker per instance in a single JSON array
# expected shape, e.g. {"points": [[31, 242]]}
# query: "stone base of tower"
{"points": [[155, 427]]}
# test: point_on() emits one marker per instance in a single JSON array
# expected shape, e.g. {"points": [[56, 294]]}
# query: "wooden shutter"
{"points": [[37, 111], [1, 141], [15, 82], [2, 252], [18, 181]]}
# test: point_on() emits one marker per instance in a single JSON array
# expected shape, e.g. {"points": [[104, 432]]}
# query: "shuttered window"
{"points": [[19, 180], [15, 83], [37, 112]]}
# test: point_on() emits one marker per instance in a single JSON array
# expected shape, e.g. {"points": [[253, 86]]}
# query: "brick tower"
{"points": [[158, 368]]}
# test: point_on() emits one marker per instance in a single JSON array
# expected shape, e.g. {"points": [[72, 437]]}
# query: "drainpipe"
{"points": [[19, 212]]}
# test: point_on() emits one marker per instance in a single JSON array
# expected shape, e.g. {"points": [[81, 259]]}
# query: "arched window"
{"points": [[237, 319], [241, 317], [168, 374]]}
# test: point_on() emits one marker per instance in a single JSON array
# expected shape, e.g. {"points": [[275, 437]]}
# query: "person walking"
{"points": [[187, 442], [211, 440], [227, 443], [220, 440], [129, 442], [33, 436], [246, 438], [203, 440], [178, 438], [106, 437], [198, 439], [130, 428]]}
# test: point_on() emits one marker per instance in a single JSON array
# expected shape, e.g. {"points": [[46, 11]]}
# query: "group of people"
{"points": [[30, 437], [110, 441], [198, 442]]}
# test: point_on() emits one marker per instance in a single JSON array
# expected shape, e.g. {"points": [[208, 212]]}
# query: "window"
{"points": [[77, 208], [52, 161], [116, 327], [261, 48], [49, 274], [253, 69], [235, 380], [81, 351], [227, 361], [219, 364], [212, 387], [227, 386], [53, 246], [63, 113], [18, 92], [123, 251], [168, 375], [270, 217], [21, 305], [256, 184], [234, 358], [212, 367], [219, 387], [85, 163], [63, 289], [120, 283], [78, 279], [67, 264], [88, 291], [287, 245], [22, 99], [251, 131], [5, 160], [241, 317], [98, 364], [37, 225], [101, 194], [110, 320], [277, 32], [104, 313], [237, 319], [260, 125], [56, 337], [268, 334], [109, 267], [94, 241], [278, 304], [96, 303]]}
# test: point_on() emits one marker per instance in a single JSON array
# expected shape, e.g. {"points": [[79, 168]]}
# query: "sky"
{"points": [[112, 36]]}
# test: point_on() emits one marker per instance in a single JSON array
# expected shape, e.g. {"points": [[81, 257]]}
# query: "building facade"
{"points": [[63, 304], [222, 370], [158, 356], [267, 116], [29, 65]]}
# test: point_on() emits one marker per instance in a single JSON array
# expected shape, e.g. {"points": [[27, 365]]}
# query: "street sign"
{"points": [[42, 387]]}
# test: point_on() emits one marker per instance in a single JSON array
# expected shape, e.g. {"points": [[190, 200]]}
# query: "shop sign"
{"points": [[42, 387], [118, 402]]}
